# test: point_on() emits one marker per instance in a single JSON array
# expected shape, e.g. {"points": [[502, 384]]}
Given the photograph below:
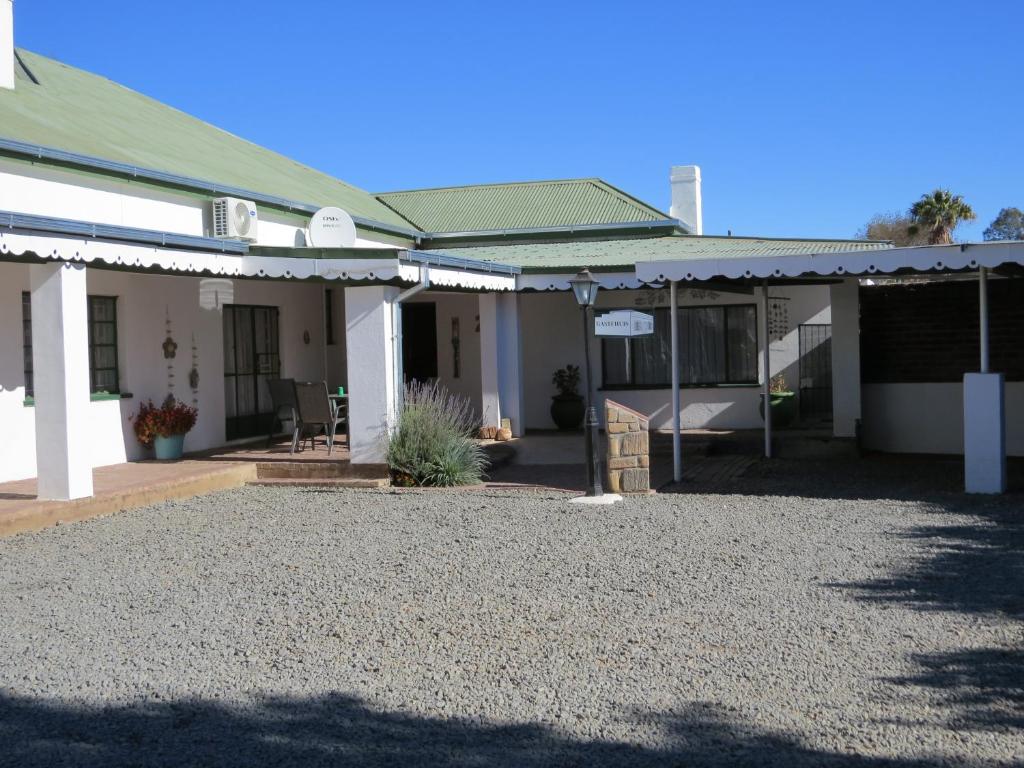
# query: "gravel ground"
{"points": [[778, 621]]}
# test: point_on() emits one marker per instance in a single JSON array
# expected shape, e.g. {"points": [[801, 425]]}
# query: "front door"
{"points": [[251, 356], [816, 371], [419, 341]]}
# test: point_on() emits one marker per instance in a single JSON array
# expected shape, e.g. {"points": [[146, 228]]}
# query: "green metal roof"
{"points": [[519, 205], [623, 254], [84, 113]]}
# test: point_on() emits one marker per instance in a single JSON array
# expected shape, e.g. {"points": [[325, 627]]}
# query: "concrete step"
{"points": [[297, 470], [323, 482]]}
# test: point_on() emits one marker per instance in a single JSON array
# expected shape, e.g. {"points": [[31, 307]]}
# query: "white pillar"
{"points": [[677, 451], [511, 399], [984, 414], [490, 396], [983, 318], [370, 351], [60, 371], [766, 343], [845, 301]]}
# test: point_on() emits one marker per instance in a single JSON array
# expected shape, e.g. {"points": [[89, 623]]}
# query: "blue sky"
{"points": [[805, 117]]}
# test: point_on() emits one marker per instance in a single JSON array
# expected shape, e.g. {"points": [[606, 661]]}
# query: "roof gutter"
{"points": [[39, 152], [457, 262], [113, 232], [673, 224]]}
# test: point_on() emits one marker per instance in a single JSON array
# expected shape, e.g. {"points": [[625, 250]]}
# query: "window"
{"points": [[103, 344], [26, 336], [103, 373], [717, 345]]}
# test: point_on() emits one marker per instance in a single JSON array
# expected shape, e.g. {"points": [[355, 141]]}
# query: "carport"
{"points": [[984, 412]]}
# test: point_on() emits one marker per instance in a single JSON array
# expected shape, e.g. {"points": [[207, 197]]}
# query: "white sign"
{"points": [[332, 228], [626, 322]]}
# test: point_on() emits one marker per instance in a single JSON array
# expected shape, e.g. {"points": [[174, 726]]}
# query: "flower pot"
{"points": [[168, 448], [567, 411], [783, 405]]}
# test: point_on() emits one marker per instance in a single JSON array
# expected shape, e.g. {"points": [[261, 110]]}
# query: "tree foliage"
{"points": [[1008, 225], [894, 227], [936, 215]]}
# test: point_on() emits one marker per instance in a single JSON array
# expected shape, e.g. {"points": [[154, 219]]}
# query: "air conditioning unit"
{"points": [[235, 219]]}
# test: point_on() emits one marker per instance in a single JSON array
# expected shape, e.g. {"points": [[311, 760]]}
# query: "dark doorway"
{"points": [[419, 341], [816, 371], [251, 356]]}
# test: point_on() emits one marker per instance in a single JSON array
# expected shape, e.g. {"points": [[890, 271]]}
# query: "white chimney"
{"points": [[686, 205], [7, 44]]}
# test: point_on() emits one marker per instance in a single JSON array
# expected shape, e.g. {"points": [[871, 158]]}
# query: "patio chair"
{"points": [[316, 412], [284, 406]]}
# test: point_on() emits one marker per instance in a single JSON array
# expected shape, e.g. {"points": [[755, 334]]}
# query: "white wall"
{"points": [[552, 338], [928, 418], [46, 191], [144, 303]]}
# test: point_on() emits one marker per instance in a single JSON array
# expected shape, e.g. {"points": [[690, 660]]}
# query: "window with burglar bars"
{"points": [[717, 345], [103, 369]]}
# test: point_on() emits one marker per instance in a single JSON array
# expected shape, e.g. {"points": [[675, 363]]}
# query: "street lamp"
{"points": [[584, 286]]}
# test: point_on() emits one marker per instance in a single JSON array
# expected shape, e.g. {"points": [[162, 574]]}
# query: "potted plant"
{"points": [[783, 402], [164, 427], [567, 407]]}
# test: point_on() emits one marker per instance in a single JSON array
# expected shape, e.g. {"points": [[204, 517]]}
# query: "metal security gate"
{"points": [[251, 356], [816, 371]]}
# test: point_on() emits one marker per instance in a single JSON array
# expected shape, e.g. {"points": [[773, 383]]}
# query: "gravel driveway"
{"points": [[726, 626]]}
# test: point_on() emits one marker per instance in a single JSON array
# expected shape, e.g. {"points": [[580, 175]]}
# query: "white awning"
{"points": [[926, 259]]}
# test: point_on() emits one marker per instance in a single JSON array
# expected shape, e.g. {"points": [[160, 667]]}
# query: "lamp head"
{"points": [[584, 287]]}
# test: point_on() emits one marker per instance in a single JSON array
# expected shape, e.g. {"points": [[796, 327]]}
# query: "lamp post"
{"points": [[584, 287]]}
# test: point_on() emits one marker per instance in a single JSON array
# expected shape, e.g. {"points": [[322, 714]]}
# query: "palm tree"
{"points": [[938, 214]]}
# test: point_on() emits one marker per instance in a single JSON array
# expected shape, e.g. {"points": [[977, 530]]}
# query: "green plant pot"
{"points": [[169, 448], [567, 411], [783, 405]]}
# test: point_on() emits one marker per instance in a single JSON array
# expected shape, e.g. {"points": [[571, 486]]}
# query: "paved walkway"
{"points": [[134, 484]]}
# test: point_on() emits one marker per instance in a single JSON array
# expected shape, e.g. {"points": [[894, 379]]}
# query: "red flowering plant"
{"points": [[171, 418]]}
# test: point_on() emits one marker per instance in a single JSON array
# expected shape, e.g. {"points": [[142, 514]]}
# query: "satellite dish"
{"points": [[332, 228]]}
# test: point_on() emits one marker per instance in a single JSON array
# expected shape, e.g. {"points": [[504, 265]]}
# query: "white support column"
{"points": [[984, 414], [370, 351], [490, 396], [845, 301], [677, 451], [60, 370], [511, 400], [767, 362], [983, 317]]}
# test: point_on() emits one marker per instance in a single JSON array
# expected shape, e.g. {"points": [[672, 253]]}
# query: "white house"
{"points": [[124, 275]]}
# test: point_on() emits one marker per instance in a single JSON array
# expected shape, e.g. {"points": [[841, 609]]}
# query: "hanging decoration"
{"points": [[193, 375], [778, 318], [456, 357], [170, 350]]}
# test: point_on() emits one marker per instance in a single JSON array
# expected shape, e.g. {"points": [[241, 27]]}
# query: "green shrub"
{"points": [[432, 443]]}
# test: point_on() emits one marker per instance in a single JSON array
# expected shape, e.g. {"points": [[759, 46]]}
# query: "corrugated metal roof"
{"points": [[519, 205], [84, 113], [625, 253]]}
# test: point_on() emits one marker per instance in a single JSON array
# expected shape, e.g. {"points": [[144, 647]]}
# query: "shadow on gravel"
{"points": [[974, 568], [937, 479], [342, 731]]}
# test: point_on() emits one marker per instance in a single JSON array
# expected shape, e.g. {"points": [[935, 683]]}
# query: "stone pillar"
{"points": [[371, 351], [629, 458], [60, 370], [845, 301]]}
